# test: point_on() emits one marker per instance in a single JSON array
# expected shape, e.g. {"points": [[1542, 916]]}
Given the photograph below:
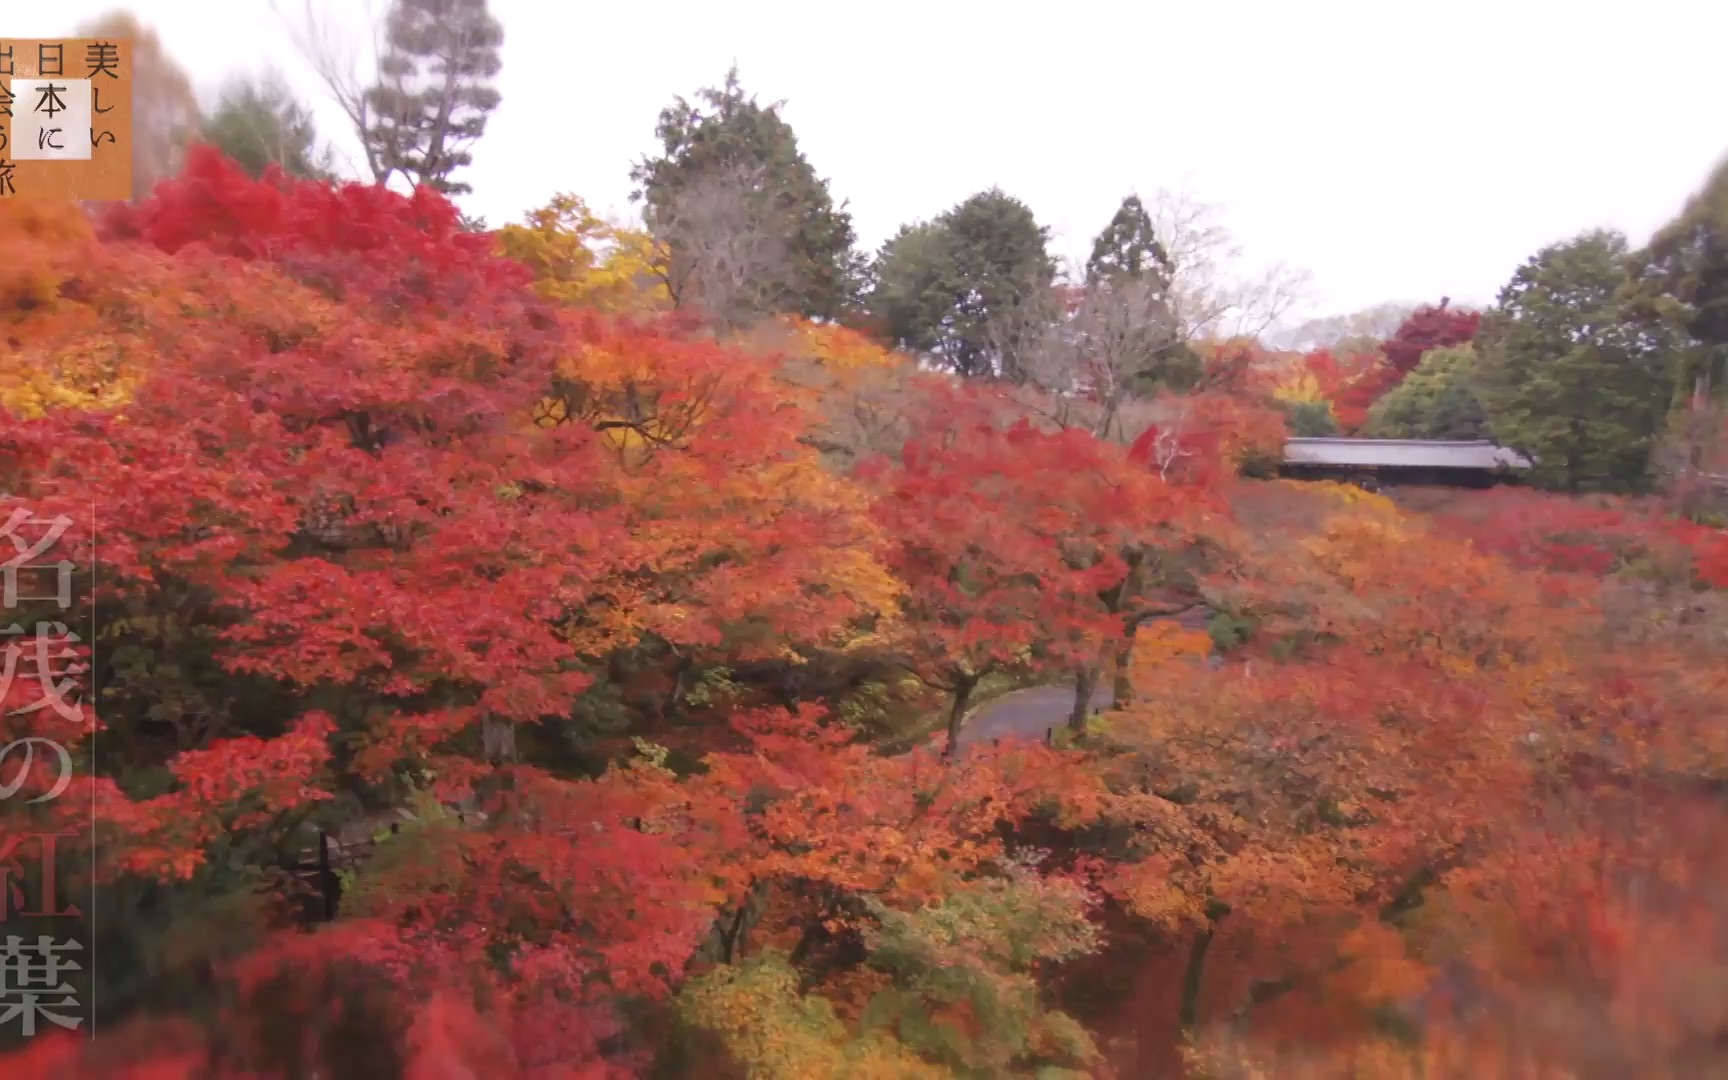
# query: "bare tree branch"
{"points": [[726, 245], [1103, 344], [1356, 331], [1082, 355], [335, 57], [1212, 295]]}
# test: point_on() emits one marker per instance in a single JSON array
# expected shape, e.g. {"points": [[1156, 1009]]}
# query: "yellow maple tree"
{"points": [[581, 260], [56, 349], [763, 1020]]}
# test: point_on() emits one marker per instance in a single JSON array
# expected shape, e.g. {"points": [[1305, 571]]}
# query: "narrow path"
{"points": [[1025, 714], [1029, 713]]}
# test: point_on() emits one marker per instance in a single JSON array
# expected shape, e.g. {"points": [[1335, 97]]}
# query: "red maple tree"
{"points": [[1005, 537], [1435, 326]]}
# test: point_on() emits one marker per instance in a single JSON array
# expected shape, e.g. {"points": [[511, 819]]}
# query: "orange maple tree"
{"points": [[345, 482], [1006, 538]]}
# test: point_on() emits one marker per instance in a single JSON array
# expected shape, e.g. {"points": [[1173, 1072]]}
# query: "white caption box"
{"points": [[50, 120]]}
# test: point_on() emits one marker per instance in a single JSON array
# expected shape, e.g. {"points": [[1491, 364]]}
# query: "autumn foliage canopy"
{"points": [[592, 618]]}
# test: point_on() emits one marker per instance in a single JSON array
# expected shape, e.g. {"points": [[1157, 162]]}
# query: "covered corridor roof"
{"points": [[1403, 453]]}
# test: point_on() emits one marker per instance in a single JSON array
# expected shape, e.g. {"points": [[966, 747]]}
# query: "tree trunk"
{"points": [[1085, 682], [498, 738], [1086, 678], [1122, 682], [431, 167], [674, 700], [815, 931], [957, 715], [1191, 979], [1122, 692]]}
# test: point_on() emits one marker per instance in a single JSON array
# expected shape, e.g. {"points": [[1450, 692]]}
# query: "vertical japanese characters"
{"points": [[42, 932], [65, 119]]}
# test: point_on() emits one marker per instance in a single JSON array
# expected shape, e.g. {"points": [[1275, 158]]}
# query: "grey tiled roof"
{"points": [[1410, 453]]}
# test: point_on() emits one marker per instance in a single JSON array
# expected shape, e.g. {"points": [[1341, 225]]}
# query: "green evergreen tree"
{"points": [[952, 288], [728, 134], [1129, 248], [1686, 265], [1310, 419], [1435, 401], [1127, 318], [258, 122], [434, 93], [1574, 370]]}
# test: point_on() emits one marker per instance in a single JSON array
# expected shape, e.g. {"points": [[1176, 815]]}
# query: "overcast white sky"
{"points": [[1394, 150]]}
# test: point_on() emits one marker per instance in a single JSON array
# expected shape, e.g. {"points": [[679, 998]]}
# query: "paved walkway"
{"points": [[1025, 714], [1028, 714]]}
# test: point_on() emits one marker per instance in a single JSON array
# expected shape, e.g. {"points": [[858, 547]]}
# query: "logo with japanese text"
{"points": [[66, 118]]}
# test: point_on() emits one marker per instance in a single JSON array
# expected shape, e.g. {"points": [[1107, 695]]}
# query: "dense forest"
{"points": [[555, 650]]}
